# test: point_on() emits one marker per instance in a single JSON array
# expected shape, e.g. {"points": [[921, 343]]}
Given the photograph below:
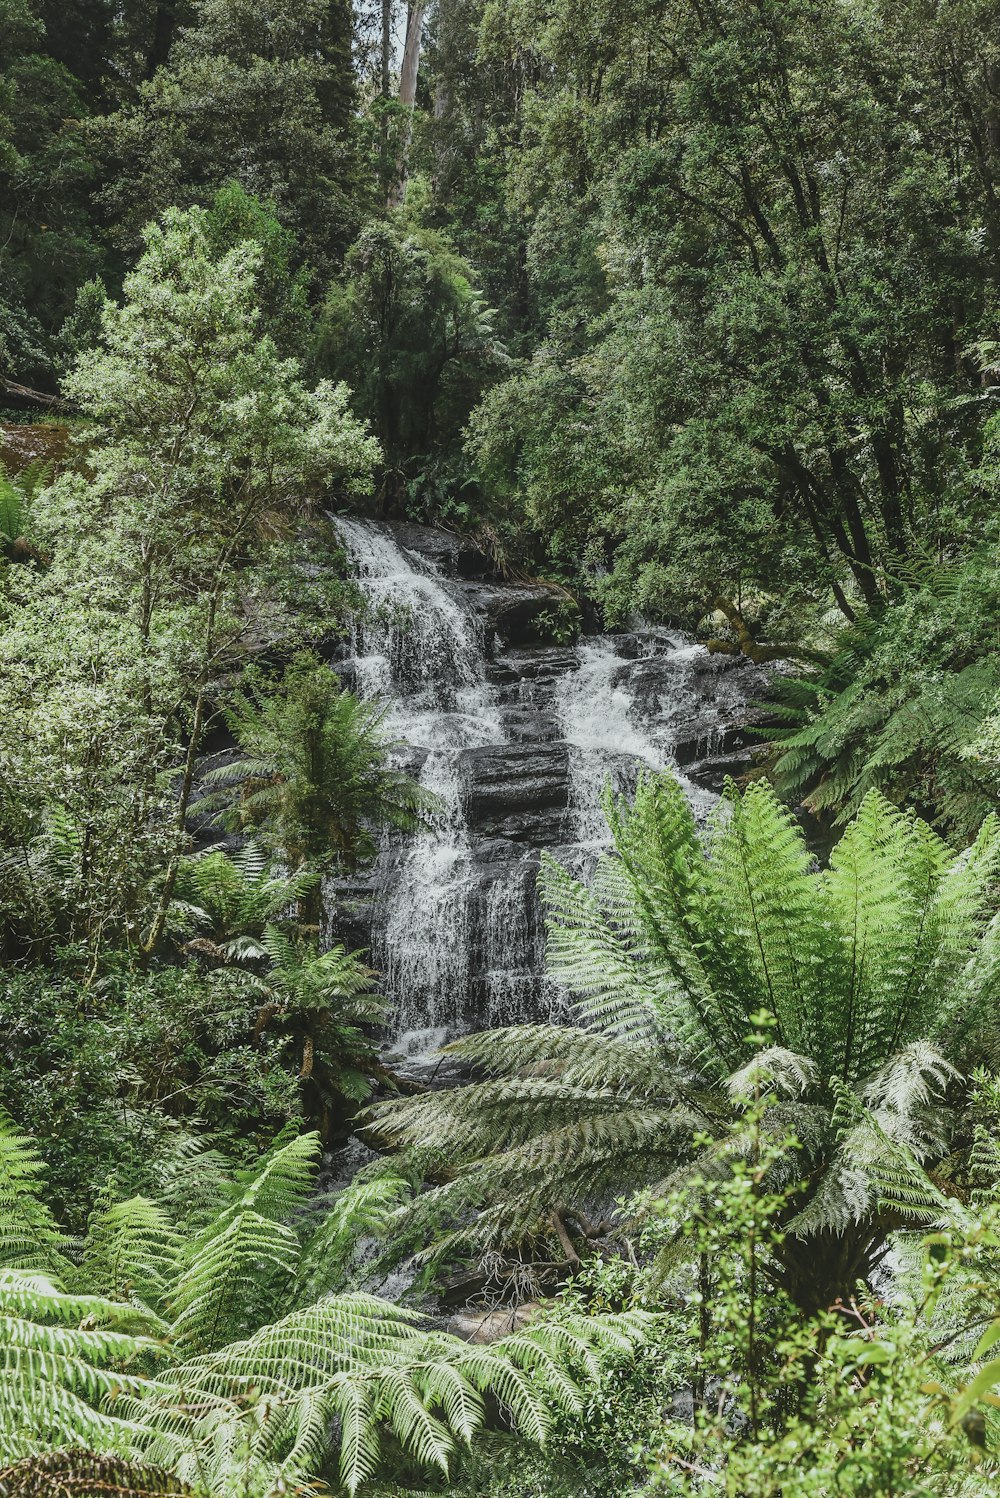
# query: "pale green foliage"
{"points": [[876, 972], [230, 1274], [183, 355], [166, 1383], [205, 448], [62, 1359], [131, 1251]]}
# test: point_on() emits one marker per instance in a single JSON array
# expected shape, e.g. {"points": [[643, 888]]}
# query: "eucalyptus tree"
{"points": [[878, 975]]}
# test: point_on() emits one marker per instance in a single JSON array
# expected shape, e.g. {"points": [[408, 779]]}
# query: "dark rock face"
{"points": [[514, 612], [452, 554], [518, 791]]}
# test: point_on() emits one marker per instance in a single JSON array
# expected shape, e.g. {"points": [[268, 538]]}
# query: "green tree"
{"points": [[206, 450], [47, 241], [879, 973], [408, 329], [792, 229], [839, 1404], [259, 94]]}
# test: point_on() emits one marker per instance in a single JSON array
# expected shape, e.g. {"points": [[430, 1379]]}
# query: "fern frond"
{"points": [[61, 1360], [233, 1268], [130, 1251], [372, 1366], [29, 1236], [363, 1210]]}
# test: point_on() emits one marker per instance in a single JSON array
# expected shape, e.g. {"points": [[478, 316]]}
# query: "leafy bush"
{"points": [[901, 705], [109, 1077]]}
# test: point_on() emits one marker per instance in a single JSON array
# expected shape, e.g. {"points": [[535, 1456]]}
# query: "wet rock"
{"points": [[713, 771], [349, 906], [452, 554], [517, 791], [528, 724], [540, 667]]}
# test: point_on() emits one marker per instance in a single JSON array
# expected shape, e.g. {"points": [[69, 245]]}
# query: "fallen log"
{"points": [[24, 394]]}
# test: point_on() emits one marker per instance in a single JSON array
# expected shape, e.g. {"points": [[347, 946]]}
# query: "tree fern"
{"points": [[874, 971], [373, 1367], [131, 1251], [233, 1271], [256, 1414], [232, 897], [62, 1361], [315, 774], [900, 705], [29, 1236], [363, 1210]]}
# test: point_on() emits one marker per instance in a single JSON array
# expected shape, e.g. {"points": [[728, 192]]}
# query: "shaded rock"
{"points": [[517, 791], [527, 724], [454, 555], [489, 1326]]}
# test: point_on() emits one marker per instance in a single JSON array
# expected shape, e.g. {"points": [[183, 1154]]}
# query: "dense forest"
{"points": [[666, 335]]}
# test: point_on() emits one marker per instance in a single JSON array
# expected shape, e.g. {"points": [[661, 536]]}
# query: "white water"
{"points": [[610, 739], [455, 939], [417, 646]]}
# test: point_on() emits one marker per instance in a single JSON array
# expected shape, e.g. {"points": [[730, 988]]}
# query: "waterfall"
{"points": [[611, 738], [515, 738], [417, 646]]}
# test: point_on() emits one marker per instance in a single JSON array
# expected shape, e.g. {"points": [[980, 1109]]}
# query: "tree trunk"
{"points": [[23, 397], [408, 92], [164, 24], [411, 54], [386, 45]]}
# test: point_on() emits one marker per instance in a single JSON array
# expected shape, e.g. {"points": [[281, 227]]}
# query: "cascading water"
{"points": [[612, 736], [515, 738], [418, 647]]}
